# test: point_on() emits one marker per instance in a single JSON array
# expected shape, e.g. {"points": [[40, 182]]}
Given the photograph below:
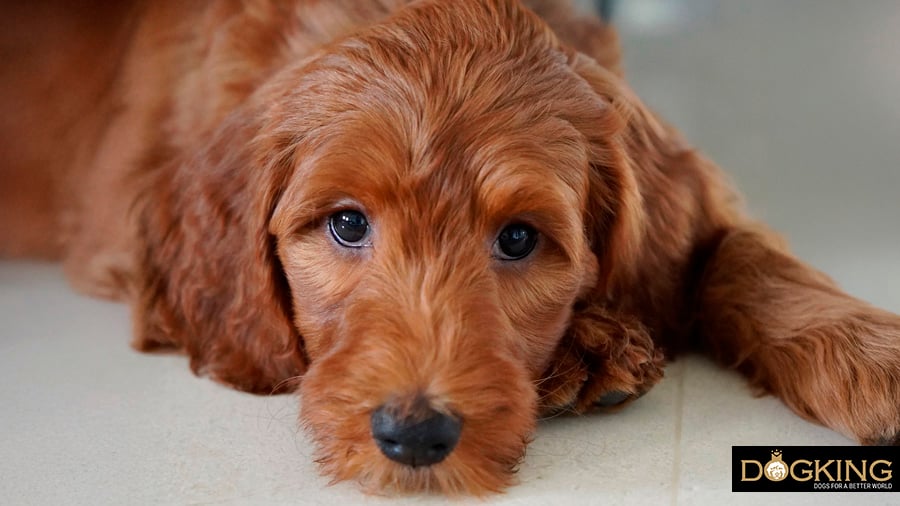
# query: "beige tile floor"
{"points": [[800, 100]]}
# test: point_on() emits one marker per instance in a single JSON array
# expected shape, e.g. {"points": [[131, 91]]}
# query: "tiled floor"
{"points": [[799, 100]]}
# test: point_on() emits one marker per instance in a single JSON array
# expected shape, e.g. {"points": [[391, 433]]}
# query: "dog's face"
{"points": [[433, 237], [433, 269], [412, 218]]}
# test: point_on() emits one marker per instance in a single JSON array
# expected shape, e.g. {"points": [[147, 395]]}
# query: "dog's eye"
{"points": [[516, 241], [349, 228]]}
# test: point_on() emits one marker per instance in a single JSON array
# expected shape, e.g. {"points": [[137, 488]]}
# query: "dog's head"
{"points": [[424, 221]]}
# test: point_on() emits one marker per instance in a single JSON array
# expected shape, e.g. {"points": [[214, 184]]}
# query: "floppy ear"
{"points": [[210, 281], [607, 356]]}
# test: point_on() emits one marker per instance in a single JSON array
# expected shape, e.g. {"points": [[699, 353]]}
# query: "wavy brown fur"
{"points": [[191, 165]]}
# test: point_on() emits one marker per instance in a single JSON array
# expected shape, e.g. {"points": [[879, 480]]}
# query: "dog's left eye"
{"points": [[349, 228], [515, 242]]}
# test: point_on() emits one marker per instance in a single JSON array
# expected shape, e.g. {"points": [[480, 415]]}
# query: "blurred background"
{"points": [[799, 101]]}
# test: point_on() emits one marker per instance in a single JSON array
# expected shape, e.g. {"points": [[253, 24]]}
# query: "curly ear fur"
{"points": [[606, 349], [211, 283], [652, 203]]}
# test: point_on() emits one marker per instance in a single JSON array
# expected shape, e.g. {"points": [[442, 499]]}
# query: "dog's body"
{"points": [[195, 160]]}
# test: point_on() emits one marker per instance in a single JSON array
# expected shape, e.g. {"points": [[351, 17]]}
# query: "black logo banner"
{"points": [[815, 469]]}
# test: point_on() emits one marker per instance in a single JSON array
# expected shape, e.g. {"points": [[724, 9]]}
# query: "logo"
{"points": [[819, 469], [775, 469]]}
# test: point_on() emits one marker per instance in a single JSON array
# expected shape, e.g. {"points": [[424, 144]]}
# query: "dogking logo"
{"points": [[775, 469], [814, 469]]}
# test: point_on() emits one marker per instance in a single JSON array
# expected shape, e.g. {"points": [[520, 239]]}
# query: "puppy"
{"points": [[437, 220]]}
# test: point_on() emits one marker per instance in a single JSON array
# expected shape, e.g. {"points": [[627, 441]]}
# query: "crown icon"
{"points": [[776, 454]]}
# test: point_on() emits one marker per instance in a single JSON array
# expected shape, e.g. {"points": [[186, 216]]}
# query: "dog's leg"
{"points": [[831, 358]]}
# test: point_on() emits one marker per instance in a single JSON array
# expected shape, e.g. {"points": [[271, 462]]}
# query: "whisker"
{"points": [[276, 390], [564, 410], [557, 373]]}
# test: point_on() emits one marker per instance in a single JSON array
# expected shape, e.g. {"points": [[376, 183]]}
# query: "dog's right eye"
{"points": [[349, 228]]}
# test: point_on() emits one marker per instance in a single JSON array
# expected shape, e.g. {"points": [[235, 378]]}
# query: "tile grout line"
{"points": [[679, 414]]}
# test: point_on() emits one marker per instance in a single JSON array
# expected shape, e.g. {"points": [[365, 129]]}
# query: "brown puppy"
{"points": [[436, 220]]}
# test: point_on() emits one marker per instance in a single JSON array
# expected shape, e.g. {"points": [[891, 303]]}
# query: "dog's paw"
{"points": [[605, 361], [846, 376]]}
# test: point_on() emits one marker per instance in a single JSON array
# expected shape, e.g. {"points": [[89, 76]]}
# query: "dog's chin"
{"points": [[455, 476], [496, 406]]}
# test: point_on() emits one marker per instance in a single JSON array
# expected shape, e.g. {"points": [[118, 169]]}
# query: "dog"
{"points": [[436, 220]]}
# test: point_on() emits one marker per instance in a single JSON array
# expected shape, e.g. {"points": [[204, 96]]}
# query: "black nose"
{"points": [[421, 441]]}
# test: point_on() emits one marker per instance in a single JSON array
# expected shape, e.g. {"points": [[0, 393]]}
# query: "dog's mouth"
{"points": [[465, 433], [412, 455]]}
